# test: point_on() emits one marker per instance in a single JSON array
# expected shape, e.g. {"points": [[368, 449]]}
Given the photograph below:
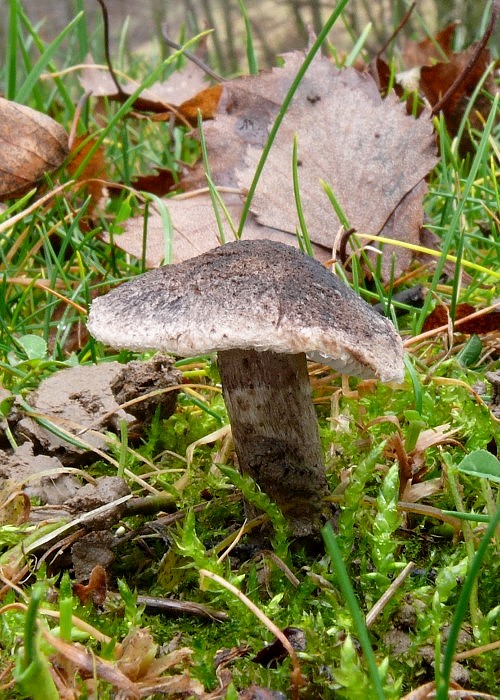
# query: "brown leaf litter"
{"points": [[368, 150], [32, 145]]}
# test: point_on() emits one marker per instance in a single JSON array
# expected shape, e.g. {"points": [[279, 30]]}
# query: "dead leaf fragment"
{"points": [[93, 172], [160, 183], [430, 50], [96, 588], [138, 651], [435, 81], [31, 143], [440, 316], [182, 94], [195, 230], [74, 656]]}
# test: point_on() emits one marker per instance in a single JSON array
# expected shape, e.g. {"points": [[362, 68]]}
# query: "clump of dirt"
{"points": [[140, 378], [91, 550], [78, 402], [40, 476], [106, 489], [72, 409]]}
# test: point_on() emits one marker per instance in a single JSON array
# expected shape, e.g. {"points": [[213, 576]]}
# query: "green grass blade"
{"points": [[415, 381], [453, 227], [335, 204], [358, 46], [461, 609], [333, 551], [253, 66], [32, 674], [303, 233], [26, 88], [211, 186], [11, 51]]}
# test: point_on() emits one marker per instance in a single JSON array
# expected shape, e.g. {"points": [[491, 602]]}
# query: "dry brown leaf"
{"points": [[181, 86], [433, 436], [96, 588], [179, 686], [440, 316], [246, 109], [166, 662], [204, 102], [370, 152], [138, 652], [430, 50], [435, 81], [195, 230], [91, 176], [160, 184], [85, 663], [139, 663], [184, 92], [424, 489], [31, 143]]}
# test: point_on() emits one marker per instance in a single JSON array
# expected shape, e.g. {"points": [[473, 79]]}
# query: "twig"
{"points": [[297, 678], [105, 18], [233, 544], [476, 651], [342, 246], [171, 605], [400, 26], [389, 593], [174, 45], [76, 118]]}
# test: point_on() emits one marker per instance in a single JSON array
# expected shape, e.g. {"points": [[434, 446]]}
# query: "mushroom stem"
{"points": [[275, 431]]}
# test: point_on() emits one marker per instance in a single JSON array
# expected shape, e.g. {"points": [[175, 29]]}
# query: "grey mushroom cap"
{"points": [[250, 294]]}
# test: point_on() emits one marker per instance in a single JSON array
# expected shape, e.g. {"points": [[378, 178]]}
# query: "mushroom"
{"points": [[263, 307]]}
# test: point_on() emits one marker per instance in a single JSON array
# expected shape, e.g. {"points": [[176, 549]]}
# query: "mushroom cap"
{"points": [[250, 294]]}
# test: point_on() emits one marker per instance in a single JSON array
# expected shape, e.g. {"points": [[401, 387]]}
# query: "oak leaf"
{"points": [[32, 144]]}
